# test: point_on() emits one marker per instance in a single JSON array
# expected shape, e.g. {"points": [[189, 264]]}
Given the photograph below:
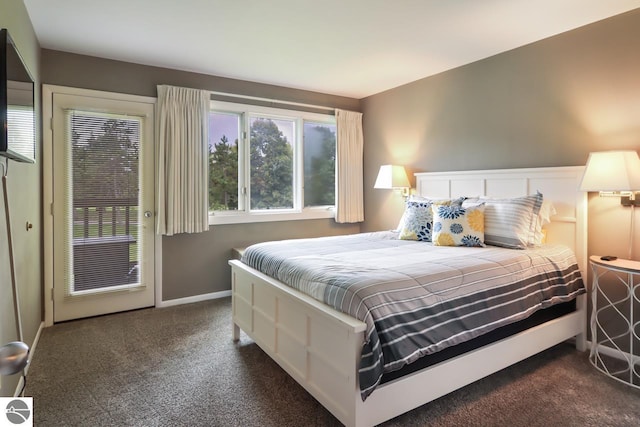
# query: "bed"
{"points": [[321, 347]]}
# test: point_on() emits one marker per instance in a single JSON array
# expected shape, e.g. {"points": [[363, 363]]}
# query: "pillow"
{"points": [[458, 226], [417, 222], [547, 210], [414, 198], [511, 223]]}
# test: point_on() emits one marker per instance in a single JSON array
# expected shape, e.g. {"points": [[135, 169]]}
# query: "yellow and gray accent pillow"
{"points": [[458, 226]]}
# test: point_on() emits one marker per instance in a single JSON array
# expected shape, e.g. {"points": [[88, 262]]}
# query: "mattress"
{"points": [[416, 298]]}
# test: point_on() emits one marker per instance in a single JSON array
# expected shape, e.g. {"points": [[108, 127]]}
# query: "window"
{"points": [[269, 164], [103, 200], [319, 164], [224, 134]]}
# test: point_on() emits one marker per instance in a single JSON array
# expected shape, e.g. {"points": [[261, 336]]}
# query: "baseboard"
{"points": [[195, 298], [32, 351]]}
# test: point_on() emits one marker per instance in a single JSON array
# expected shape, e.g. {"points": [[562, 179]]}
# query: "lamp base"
{"points": [[14, 357]]}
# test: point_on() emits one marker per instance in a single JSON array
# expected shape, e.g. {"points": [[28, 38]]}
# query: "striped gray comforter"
{"points": [[416, 298]]}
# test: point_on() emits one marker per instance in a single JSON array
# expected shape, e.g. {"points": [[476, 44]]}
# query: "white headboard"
{"points": [[558, 184]]}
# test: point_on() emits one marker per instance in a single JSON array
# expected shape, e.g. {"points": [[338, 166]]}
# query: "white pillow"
{"points": [[547, 210]]}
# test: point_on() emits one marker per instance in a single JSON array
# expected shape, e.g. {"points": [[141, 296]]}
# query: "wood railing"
{"points": [[98, 217]]}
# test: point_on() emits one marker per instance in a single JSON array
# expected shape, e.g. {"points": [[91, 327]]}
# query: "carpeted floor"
{"points": [[177, 366]]}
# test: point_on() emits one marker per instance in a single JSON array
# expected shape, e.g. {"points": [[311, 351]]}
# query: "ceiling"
{"points": [[353, 48]]}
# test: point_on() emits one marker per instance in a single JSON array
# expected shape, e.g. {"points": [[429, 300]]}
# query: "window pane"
{"points": [[271, 162], [103, 189], [319, 164], [224, 132]]}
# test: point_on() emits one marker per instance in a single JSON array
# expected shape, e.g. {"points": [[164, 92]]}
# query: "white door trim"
{"points": [[47, 188]]}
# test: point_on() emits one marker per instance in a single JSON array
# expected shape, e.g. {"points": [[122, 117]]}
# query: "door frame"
{"points": [[47, 189]]}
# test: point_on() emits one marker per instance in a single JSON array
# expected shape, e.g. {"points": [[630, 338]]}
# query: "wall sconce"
{"points": [[393, 177], [613, 173]]}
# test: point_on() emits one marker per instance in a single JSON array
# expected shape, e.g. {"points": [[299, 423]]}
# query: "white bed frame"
{"points": [[320, 347]]}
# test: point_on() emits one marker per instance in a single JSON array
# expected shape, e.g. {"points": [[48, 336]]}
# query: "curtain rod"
{"points": [[275, 101]]}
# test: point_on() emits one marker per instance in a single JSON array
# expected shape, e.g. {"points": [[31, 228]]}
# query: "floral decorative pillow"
{"points": [[418, 222], [418, 209], [458, 226]]}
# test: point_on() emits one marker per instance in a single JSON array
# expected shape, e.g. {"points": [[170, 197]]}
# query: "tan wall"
{"points": [[549, 103], [194, 264], [24, 191]]}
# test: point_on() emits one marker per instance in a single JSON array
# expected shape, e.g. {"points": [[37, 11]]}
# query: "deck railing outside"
{"points": [[105, 242]]}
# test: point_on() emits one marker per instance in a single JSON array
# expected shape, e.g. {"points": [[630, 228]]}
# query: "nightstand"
{"points": [[615, 319]]}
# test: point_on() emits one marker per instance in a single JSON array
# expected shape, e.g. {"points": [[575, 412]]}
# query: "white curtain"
{"points": [[182, 158], [350, 147]]}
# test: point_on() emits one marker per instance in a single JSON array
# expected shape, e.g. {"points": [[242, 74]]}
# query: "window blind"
{"points": [[102, 193]]}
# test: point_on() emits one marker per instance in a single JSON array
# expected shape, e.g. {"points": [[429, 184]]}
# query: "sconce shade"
{"points": [[612, 171], [392, 176]]}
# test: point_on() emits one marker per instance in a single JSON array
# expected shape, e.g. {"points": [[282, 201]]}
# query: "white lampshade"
{"points": [[392, 176], [612, 171]]}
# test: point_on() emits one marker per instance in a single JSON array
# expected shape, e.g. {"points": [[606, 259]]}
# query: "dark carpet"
{"points": [[177, 366]]}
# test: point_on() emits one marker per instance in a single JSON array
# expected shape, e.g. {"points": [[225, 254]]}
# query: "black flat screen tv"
{"points": [[17, 113]]}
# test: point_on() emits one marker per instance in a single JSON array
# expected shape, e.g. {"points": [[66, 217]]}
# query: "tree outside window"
{"points": [[224, 132], [271, 163]]}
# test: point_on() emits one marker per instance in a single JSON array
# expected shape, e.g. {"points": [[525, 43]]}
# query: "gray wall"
{"points": [[24, 188], [88, 72], [545, 104], [194, 264], [197, 264]]}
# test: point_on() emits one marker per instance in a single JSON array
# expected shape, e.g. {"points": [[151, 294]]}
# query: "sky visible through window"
{"points": [[227, 124], [222, 124]]}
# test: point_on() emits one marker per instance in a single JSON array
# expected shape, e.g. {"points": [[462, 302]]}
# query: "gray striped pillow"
{"points": [[510, 223]]}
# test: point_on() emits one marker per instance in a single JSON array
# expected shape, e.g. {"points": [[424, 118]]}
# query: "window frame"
{"points": [[244, 214]]}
